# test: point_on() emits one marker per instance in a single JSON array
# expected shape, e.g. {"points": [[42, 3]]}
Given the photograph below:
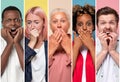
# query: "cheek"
{"points": [[65, 27], [53, 27]]}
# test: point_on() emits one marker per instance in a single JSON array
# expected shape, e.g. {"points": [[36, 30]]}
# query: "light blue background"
{"points": [[18, 3]]}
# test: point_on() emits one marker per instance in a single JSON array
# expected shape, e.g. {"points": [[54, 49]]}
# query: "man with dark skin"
{"points": [[11, 34]]}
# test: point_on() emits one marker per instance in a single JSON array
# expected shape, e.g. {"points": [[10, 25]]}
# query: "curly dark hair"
{"points": [[80, 10]]}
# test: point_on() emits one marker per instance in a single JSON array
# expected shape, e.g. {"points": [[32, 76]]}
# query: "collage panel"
{"points": [[36, 49], [83, 20], [60, 50], [11, 39], [107, 41]]}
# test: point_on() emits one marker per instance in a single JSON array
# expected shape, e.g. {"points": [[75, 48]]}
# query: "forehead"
{"points": [[109, 17], [59, 15], [84, 17], [11, 14], [32, 16]]}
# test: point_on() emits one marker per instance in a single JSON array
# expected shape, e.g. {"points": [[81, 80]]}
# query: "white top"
{"points": [[38, 64], [13, 71], [84, 55], [109, 70]]}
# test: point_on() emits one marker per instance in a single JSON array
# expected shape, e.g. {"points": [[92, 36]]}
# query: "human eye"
{"points": [[17, 20], [29, 22], [63, 20], [37, 22], [54, 21], [89, 23], [8, 20], [103, 23], [112, 22], [79, 24]]}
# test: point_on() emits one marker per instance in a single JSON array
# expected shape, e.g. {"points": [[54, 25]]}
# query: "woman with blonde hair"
{"points": [[36, 45], [59, 47]]}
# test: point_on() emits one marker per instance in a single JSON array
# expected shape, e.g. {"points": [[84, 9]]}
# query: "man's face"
{"points": [[12, 20], [107, 24]]}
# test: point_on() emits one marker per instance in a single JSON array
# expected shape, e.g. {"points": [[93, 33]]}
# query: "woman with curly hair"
{"points": [[83, 45]]}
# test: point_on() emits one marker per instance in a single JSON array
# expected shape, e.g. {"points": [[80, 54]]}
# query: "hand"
{"points": [[113, 41], [87, 39], [66, 42], [103, 39], [19, 35], [34, 34], [5, 33], [77, 41], [54, 42]]}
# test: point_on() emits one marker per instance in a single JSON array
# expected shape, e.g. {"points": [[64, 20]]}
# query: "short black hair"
{"points": [[105, 11], [11, 8]]}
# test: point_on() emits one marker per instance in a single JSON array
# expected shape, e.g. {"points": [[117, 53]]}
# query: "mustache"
{"points": [[107, 31]]}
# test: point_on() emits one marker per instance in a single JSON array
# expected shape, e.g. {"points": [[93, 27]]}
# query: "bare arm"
{"points": [[17, 39], [20, 53], [76, 48], [5, 33], [5, 56]]}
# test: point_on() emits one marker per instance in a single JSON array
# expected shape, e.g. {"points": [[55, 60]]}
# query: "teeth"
{"points": [[107, 33], [13, 29]]}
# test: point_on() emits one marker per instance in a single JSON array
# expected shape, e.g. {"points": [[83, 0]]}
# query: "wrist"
{"points": [[112, 52], [104, 52]]}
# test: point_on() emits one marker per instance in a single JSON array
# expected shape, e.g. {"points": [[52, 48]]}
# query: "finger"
{"points": [[74, 33], [60, 39], [56, 34]]}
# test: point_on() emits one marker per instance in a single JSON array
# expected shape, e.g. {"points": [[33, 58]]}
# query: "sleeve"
{"points": [[29, 53]]}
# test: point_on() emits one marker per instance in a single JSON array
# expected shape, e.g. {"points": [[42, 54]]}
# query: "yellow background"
{"points": [[31, 3]]}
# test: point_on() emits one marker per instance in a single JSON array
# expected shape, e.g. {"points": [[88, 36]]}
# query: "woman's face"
{"points": [[58, 21], [34, 22], [84, 23]]}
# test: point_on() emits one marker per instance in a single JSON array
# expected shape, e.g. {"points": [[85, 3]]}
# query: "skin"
{"points": [[107, 23], [59, 39], [11, 19], [34, 26], [84, 27]]}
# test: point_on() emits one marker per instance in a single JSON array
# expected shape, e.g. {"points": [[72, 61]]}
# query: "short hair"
{"points": [[80, 10], [105, 11], [60, 10], [39, 12], [11, 8]]}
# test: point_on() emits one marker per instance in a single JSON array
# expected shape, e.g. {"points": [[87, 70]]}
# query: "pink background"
{"points": [[111, 3]]}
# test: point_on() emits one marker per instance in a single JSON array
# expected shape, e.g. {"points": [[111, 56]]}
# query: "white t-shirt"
{"points": [[84, 55], [109, 70], [38, 64], [13, 71]]}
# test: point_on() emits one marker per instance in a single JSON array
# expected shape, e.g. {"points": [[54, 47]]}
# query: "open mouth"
{"points": [[13, 29], [107, 33]]}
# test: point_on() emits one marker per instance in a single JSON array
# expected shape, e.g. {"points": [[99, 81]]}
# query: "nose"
{"points": [[59, 25], [32, 25], [84, 27], [107, 26], [12, 22]]}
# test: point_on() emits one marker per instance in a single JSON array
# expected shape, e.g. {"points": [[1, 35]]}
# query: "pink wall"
{"points": [[111, 3]]}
